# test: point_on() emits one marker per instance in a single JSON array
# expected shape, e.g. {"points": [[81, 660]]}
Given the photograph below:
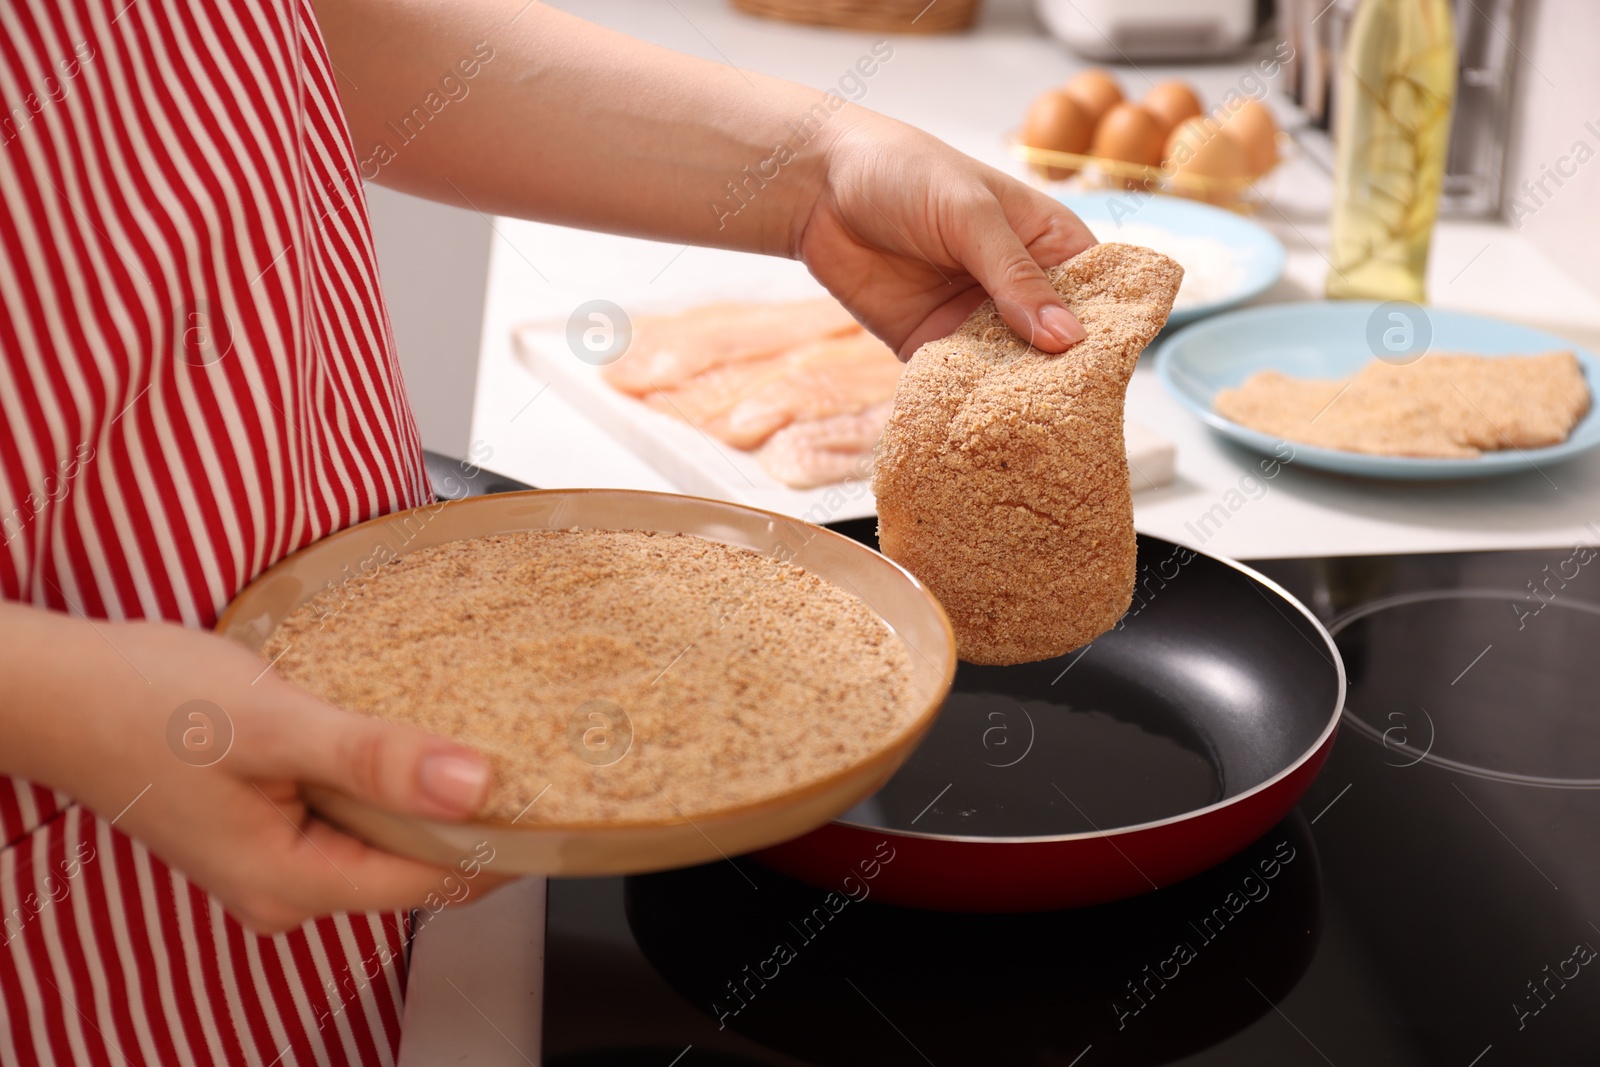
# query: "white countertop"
{"points": [[969, 90], [542, 272]]}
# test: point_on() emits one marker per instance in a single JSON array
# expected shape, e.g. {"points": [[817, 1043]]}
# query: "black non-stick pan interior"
{"points": [[1213, 683]]}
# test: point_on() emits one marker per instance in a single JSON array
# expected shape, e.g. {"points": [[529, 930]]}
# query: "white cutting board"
{"points": [[701, 465]]}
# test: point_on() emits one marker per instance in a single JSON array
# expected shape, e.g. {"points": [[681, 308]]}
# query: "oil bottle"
{"points": [[1396, 91]]}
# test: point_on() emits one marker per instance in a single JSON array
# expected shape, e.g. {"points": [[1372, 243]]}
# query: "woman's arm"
{"points": [[565, 121], [519, 109], [100, 711]]}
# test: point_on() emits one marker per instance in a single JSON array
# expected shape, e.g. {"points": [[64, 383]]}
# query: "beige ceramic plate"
{"points": [[905, 606]]}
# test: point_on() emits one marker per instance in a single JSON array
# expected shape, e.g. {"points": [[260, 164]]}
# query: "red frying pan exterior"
{"points": [[1219, 646], [1038, 874]]}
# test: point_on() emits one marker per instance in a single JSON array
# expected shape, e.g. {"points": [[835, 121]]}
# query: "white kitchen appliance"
{"points": [[1131, 30]]}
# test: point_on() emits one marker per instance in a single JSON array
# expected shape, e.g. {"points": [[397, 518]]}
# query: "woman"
{"points": [[199, 378]]}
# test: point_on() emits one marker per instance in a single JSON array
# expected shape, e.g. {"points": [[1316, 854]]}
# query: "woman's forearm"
{"points": [[513, 108], [51, 665], [519, 109]]}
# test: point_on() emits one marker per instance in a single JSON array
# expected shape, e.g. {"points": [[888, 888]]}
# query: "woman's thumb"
{"points": [[392, 765], [994, 254]]}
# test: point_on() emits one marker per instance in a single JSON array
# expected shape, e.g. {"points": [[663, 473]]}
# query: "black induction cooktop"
{"points": [[1435, 900]]}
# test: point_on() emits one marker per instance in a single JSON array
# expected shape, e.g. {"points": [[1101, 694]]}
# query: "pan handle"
{"points": [[456, 479]]}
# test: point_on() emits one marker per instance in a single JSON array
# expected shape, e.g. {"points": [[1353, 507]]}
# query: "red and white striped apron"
{"points": [[197, 377]]}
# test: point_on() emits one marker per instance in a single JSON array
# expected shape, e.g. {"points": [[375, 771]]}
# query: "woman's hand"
{"points": [[911, 236], [107, 729]]}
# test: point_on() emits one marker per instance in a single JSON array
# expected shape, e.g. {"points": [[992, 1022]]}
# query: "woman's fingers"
{"points": [[1054, 233], [394, 766], [399, 768], [306, 867], [944, 321], [992, 252], [912, 236], [316, 876], [993, 241], [343, 874]]}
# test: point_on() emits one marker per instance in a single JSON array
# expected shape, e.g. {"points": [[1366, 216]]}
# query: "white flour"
{"points": [[1211, 269]]}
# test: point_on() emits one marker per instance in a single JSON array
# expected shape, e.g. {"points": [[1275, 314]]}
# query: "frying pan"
{"points": [[1156, 752]]}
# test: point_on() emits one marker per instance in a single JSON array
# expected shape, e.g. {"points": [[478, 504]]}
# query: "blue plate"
{"points": [[1258, 252], [1334, 340]]}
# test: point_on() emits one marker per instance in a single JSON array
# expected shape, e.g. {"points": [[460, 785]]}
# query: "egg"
{"points": [[1058, 122], [1096, 90], [1171, 102], [1250, 125], [1131, 134], [1198, 148]]}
